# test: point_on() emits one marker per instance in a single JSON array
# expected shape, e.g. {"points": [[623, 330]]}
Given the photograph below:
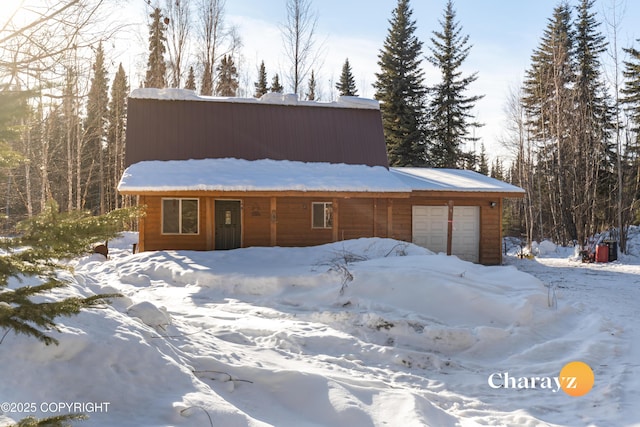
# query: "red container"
{"points": [[602, 253]]}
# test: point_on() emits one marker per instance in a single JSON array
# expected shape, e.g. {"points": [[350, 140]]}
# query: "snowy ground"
{"points": [[370, 332]]}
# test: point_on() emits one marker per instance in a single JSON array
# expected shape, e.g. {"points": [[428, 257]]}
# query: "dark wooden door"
{"points": [[228, 229]]}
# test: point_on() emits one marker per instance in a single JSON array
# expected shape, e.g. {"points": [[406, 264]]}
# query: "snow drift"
{"points": [[363, 332]]}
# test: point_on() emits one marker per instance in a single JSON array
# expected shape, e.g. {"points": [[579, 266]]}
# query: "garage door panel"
{"points": [[430, 227], [465, 242], [430, 230]]}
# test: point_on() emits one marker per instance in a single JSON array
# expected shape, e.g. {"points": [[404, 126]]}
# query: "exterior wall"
{"points": [[294, 222], [356, 219], [256, 221], [287, 221]]}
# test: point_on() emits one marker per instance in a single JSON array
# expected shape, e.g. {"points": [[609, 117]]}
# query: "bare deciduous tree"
{"points": [[211, 13], [38, 34], [298, 36], [179, 16]]}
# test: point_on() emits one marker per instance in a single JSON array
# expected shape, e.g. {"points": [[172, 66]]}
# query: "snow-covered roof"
{"points": [[429, 179], [256, 175], [284, 175], [171, 94]]}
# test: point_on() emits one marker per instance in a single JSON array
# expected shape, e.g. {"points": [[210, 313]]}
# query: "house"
{"points": [[224, 173]]}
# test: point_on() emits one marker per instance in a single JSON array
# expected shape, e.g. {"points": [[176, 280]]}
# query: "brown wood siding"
{"points": [[381, 212], [294, 223], [490, 234], [257, 222], [155, 240], [181, 130], [402, 219], [356, 219]]}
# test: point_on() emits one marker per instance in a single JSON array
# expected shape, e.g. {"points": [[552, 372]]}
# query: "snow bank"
{"points": [[362, 332]]}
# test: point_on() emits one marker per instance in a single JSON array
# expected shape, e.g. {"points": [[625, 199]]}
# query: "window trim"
{"points": [[324, 219], [180, 200]]}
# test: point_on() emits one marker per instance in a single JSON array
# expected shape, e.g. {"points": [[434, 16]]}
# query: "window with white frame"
{"points": [[321, 215], [180, 216]]}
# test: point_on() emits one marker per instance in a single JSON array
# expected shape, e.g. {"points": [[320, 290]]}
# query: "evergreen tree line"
{"points": [[574, 132], [427, 125]]}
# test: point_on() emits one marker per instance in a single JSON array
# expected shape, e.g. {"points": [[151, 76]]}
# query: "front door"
{"points": [[228, 230]]}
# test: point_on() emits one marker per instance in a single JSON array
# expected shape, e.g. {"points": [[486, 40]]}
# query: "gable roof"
{"points": [[177, 124], [284, 175]]}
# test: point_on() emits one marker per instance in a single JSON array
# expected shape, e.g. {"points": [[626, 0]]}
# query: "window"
{"points": [[321, 215], [179, 216]]}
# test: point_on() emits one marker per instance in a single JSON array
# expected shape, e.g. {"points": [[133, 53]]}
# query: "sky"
{"points": [[503, 35]]}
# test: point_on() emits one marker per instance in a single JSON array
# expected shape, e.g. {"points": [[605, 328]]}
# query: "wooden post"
{"points": [[209, 223], [336, 222], [273, 230], [450, 228], [140, 248], [390, 218], [375, 217]]}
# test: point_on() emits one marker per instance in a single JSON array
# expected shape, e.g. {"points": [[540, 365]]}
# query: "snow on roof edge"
{"points": [[461, 180], [173, 94], [230, 174]]}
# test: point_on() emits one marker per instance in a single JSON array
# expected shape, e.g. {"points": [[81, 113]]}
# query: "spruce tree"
{"points": [[450, 108], [95, 135], [311, 90], [275, 84], [13, 106], [347, 84], [206, 84], [549, 101], [551, 75], [55, 421], [483, 163], [191, 80], [116, 136], [156, 66], [631, 89], [592, 165], [497, 170], [227, 84], [42, 240], [399, 88], [261, 85]]}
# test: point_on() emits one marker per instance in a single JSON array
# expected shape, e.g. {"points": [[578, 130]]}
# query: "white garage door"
{"points": [[430, 230], [466, 233], [430, 227]]}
